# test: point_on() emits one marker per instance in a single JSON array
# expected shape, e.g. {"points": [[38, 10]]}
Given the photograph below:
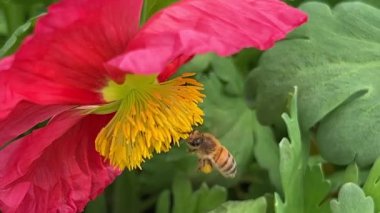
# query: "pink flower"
{"points": [[102, 84]]}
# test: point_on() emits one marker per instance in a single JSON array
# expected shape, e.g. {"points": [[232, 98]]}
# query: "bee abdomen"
{"points": [[225, 163]]}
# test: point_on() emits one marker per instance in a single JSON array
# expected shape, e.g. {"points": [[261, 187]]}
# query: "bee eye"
{"points": [[197, 142]]}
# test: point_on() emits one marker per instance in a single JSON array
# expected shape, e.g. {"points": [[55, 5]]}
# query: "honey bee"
{"points": [[211, 153]]}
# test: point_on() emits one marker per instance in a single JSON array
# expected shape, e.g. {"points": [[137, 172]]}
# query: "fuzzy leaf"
{"points": [[352, 174], [292, 163], [257, 206], [185, 200], [267, 152], [208, 199], [372, 185], [351, 199], [182, 199], [339, 88], [316, 189], [226, 113]]}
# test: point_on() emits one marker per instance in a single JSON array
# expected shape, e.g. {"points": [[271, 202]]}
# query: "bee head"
{"points": [[195, 139]]}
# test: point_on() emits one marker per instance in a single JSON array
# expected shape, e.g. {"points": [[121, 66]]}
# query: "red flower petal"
{"points": [[24, 116], [56, 168], [16, 115], [63, 62], [199, 26], [8, 99]]}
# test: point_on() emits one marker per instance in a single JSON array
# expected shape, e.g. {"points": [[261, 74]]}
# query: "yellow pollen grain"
{"points": [[151, 118]]}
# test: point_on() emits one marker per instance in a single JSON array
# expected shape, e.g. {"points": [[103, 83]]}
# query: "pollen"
{"points": [[151, 117]]}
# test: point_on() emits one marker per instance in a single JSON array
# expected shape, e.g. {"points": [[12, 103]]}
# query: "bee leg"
{"points": [[205, 165]]}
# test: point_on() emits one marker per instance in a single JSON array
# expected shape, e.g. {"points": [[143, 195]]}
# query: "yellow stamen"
{"points": [[150, 118]]}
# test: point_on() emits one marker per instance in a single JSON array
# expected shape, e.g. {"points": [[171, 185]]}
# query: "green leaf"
{"points": [[292, 163], [163, 202], [152, 6], [162, 168], [340, 88], [226, 113], [267, 152], [316, 189], [126, 193], [17, 36], [97, 206], [187, 201], [246, 59], [351, 199], [257, 206], [372, 185], [3, 24], [352, 174], [183, 201], [208, 199], [331, 2]]}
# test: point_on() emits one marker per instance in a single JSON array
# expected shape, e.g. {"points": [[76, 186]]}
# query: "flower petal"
{"points": [[8, 99], [199, 26], [64, 57], [16, 115], [56, 168], [24, 116]]}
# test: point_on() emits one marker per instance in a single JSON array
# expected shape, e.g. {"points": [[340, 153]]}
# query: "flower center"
{"points": [[150, 117]]}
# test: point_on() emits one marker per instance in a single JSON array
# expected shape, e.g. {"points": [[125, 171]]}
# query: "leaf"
{"points": [[152, 6], [187, 201], [183, 201], [372, 186], [97, 206], [226, 114], [339, 88], [352, 174], [316, 189], [126, 196], [292, 163], [330, 2], [351, 199], [17, 36], [3, 25], [257, 206], [208, 199], [163, 203], [267, 152]]}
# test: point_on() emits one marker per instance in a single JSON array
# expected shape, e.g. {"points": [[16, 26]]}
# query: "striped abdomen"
{"points": [[224, 162]]}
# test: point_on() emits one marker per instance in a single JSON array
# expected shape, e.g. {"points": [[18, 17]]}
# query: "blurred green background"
{"points": [[327, 165]]}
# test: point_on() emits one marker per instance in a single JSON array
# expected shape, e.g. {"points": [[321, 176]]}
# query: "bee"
{"points": [[211, 153]]}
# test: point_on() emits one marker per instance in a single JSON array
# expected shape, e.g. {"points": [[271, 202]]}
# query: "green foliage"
{"points": [[352, 174], [372, 186], [316, 189], [292, 163], [125, 191], [258, 205], [267, 152], [338, 100], [152, 6], [352, 200], [14, 40], [99, 205], [338, 87], [187, 201]]}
